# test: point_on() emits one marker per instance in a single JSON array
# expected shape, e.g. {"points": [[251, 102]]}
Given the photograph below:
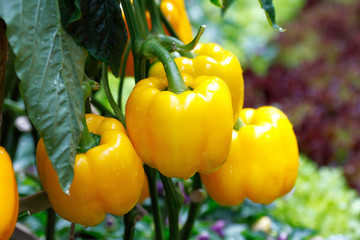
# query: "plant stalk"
{"points": [[135, 36], [194, 210], [119, 115], [129, 225], [152, 48], [122, 73], [173, 205], [158, 221], [156, 26], [72, 232], [50, 225], [87, 141]]}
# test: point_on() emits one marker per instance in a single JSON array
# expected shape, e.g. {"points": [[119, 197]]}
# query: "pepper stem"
{"points": [[87, 141], [119, 115], [173, 44], [135, 36], [159, 228], [131, 21], [155, 17], [152, 48], [173, 205], [193, 211], [239, 124]]}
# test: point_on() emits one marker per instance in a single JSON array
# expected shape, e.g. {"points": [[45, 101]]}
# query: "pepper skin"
{"points": [[262, 163], [9, 198], [145, 193], [107, 178], [212, 60], [175, 13], [180, 134]]}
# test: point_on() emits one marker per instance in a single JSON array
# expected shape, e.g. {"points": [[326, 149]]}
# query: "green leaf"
{"points": [[269, 8], [50, 66], [98, 26], [218, 3]]}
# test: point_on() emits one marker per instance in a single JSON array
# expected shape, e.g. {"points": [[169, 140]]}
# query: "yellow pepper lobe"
{"points": [[212, 60], [107, 178], [180, 134], [263, 161], [9, 198]]}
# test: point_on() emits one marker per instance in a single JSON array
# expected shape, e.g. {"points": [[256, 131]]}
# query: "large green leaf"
{"points": [[269, 8], [98, 26], [50, 66]]}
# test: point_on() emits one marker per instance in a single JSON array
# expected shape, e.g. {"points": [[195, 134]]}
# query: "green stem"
{"points": [[173, 44], [135, 35], [193, 211], [130, 219], [87, 106], [239, 124], [87, 141], [173, 205], [122, 73], [152, 48], [156, 26], [14, 107], [50, 225], [119, 115], [159, 228], [141, 17], [132, 23], [129, 223]]}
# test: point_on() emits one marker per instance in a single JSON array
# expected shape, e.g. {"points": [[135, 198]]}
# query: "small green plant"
{"points": [[322, 201]]}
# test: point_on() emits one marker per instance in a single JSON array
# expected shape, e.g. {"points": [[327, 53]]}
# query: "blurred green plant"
{"points": [[322, 201], [247, 34]]}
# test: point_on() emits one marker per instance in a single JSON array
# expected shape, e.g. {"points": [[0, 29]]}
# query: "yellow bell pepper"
{"points": [[145, 193], [212, 60], [263, 160], [9, 198], [175, 13], [107, 178], [180, 134]]}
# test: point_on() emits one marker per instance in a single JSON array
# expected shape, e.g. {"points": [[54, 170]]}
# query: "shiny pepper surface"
{"points": [[175, 13], [262, 163], [107, 178], [212, 60], [9, 199], [180, 134]]}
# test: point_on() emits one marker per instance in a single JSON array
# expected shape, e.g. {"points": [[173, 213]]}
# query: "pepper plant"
{"points": [[178, 122]]}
